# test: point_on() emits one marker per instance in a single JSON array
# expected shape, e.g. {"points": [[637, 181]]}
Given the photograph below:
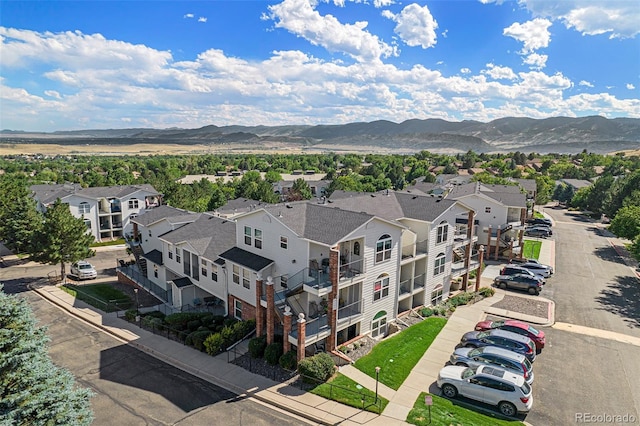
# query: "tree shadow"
{"points": [[608, 254], [621, 297], [128, 366]]}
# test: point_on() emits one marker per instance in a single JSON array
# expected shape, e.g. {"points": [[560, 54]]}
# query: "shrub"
{"points": [[257, 346], [319, 367], [460, 299], [288, 361], [156, 314], [152, 322], [130, 315], [197, 339], [179, 320], [213, 344], [273, 352], [207, 320], [343, 349], [486, 292], [228, 322], [193, 325], [427, 312], [218, 320]]}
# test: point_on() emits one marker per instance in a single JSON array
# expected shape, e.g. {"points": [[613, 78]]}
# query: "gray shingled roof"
{"points": [[393, 205], [322, 223], [155, 256], [182, 282], [240, 205], [509, 199], [49, 193], [527, 184], [245, 258], [514, 189], [172, 214], [209, 235]]}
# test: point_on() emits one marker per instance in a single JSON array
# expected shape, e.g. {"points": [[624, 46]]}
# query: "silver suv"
{"points": [[497, 357], [83, 270]]}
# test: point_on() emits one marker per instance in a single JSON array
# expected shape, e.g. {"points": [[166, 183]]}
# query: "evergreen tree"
{"points": [[299, 191], [34, 391], [62, 238], [20, 224]]}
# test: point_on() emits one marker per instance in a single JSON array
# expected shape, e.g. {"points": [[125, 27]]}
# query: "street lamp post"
{"points": [[135, 290], [377, 374]]}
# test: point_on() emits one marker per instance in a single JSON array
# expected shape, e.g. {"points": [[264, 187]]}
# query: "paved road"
{"points": [[133, 388], [580, 373]]}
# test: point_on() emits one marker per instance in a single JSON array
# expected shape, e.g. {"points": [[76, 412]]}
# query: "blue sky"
{"points": [[68, 65]]}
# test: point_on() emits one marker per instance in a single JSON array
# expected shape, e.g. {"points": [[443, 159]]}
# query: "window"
{"points": [[246, 275], [284, 242], [438, 267], [379, 324], [237, 308], [487, 209], [257, 240], [436, 295], [170, 251], [195, 266], [155, 271], [87, 223], [381, 287], [186, 267], [356, 248], [236, 274], [284, 281], [247, 235], [133, 203], [178, 255], [203, 269], [84, 208], [383, 248], [214, 272], [443, 232]]}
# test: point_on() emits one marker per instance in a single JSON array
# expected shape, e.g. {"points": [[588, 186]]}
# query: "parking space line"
{"points": [[596, 332]]}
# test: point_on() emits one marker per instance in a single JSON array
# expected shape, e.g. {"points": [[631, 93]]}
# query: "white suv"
{"points": [[83, 270], [492, 385]]}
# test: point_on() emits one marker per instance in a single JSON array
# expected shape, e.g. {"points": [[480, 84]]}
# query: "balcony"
{"points": [[315, 281], [405, 288], [352, 270], [415, 249], [419, 281], [461, 239], [350, 313], [316, 329]]}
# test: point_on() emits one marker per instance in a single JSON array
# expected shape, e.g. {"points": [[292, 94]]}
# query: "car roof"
{"points": [[510, 335], [500, 373], [505, 353]]}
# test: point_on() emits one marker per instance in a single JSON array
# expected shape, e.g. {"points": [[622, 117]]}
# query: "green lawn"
{"points": [[101, 296], [397, 355], [538, 215], [446, 412], [109, 243], [345, 391], [531, 249]]}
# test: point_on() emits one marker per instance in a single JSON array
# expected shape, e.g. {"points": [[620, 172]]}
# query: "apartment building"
{"points": [[107, 210]]}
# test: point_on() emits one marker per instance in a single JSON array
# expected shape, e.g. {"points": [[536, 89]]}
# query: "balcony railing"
{"points": [[315, 278], [350, 310], [351, 269], [419, 281], [415, 249], [405, 287], [313, 327]]}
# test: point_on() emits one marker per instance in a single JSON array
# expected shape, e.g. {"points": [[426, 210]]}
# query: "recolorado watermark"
{"points": [[605, 418]]}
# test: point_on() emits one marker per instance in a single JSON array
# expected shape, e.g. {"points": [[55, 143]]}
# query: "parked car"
{"points": [[518, 269], [515, 326], [540, 221], [83, 270], [536, 231], [502, 339], [537, 268], [519, 282], [496, 357], [545, 227], [491, 385]]}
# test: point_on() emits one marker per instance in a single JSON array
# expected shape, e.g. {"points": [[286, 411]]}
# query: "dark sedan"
{"points": [[532, 284], [515, 326], [538, 231], [502, 339]]}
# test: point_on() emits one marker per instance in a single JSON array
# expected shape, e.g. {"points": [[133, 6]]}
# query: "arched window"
{"points": [[436, 295], [383, 248], [379, 324], [356, 248], [84, 208], [438, 267], [443, 232], [381, 287]]}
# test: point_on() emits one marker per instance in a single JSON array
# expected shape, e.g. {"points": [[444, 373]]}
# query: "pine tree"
{"points": [[34, 391], [20, 224], [62, 238]]}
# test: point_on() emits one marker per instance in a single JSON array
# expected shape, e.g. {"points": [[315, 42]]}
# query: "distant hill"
{"points": [[557, 134]]}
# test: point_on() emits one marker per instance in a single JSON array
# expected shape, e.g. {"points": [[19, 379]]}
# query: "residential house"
{"points": [[107, 211]]}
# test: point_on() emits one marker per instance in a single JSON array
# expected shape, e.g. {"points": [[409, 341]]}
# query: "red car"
{"points": [[515, 326]]}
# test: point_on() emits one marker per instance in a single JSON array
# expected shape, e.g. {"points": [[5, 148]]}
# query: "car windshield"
{"points": [[482, 334], [84, 266], [533, 331], [468, 372], [525, 388], [497, 324], [474, 352]]}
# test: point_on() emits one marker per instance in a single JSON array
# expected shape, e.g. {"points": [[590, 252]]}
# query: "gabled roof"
{"points": [[508, 195], [316, 222], [528, 184], [209, 235], [393, 205], [240, 205], [171, 214], [182, 282], [155, 256], [49, 193], [245, 258]]}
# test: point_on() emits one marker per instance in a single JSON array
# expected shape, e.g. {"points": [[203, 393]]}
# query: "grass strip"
{"points": [[531, 249], [101, 296], [346, 391]]}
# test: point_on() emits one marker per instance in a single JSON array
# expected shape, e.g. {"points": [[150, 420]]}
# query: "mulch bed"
{"points": [[524, 305]]}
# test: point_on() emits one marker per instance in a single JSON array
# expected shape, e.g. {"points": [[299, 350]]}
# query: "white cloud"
{"points": [[300, 18], [535, 61], [382, 3], [202, 19], [491, 1], [415, 25], [630, 86], [150, 89], [618, 18], [188, 15], [444, 33], [465, 71], [499, 73], [585, 83], [533, 34]]}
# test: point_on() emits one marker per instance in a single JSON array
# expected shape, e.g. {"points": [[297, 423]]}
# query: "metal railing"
{"points": [[133, 273], [419, 281], [350, 310], [405, 287], [316, 278], [313, 327], [367, 401], [351, 269]]}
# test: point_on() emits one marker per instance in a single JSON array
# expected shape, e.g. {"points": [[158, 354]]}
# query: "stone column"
{"points": [[286, 346], [302, 330], [511, 250], [259, 308], [270, 310], [479, 273], [489, 241], [332, 313], [497, 244]]}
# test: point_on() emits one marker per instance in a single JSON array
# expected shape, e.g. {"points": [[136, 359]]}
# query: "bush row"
{"points": [[217, 342], [458, 300]]}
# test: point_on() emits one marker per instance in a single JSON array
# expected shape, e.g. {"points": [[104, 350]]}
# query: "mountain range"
{"points": [[557, 134]]}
